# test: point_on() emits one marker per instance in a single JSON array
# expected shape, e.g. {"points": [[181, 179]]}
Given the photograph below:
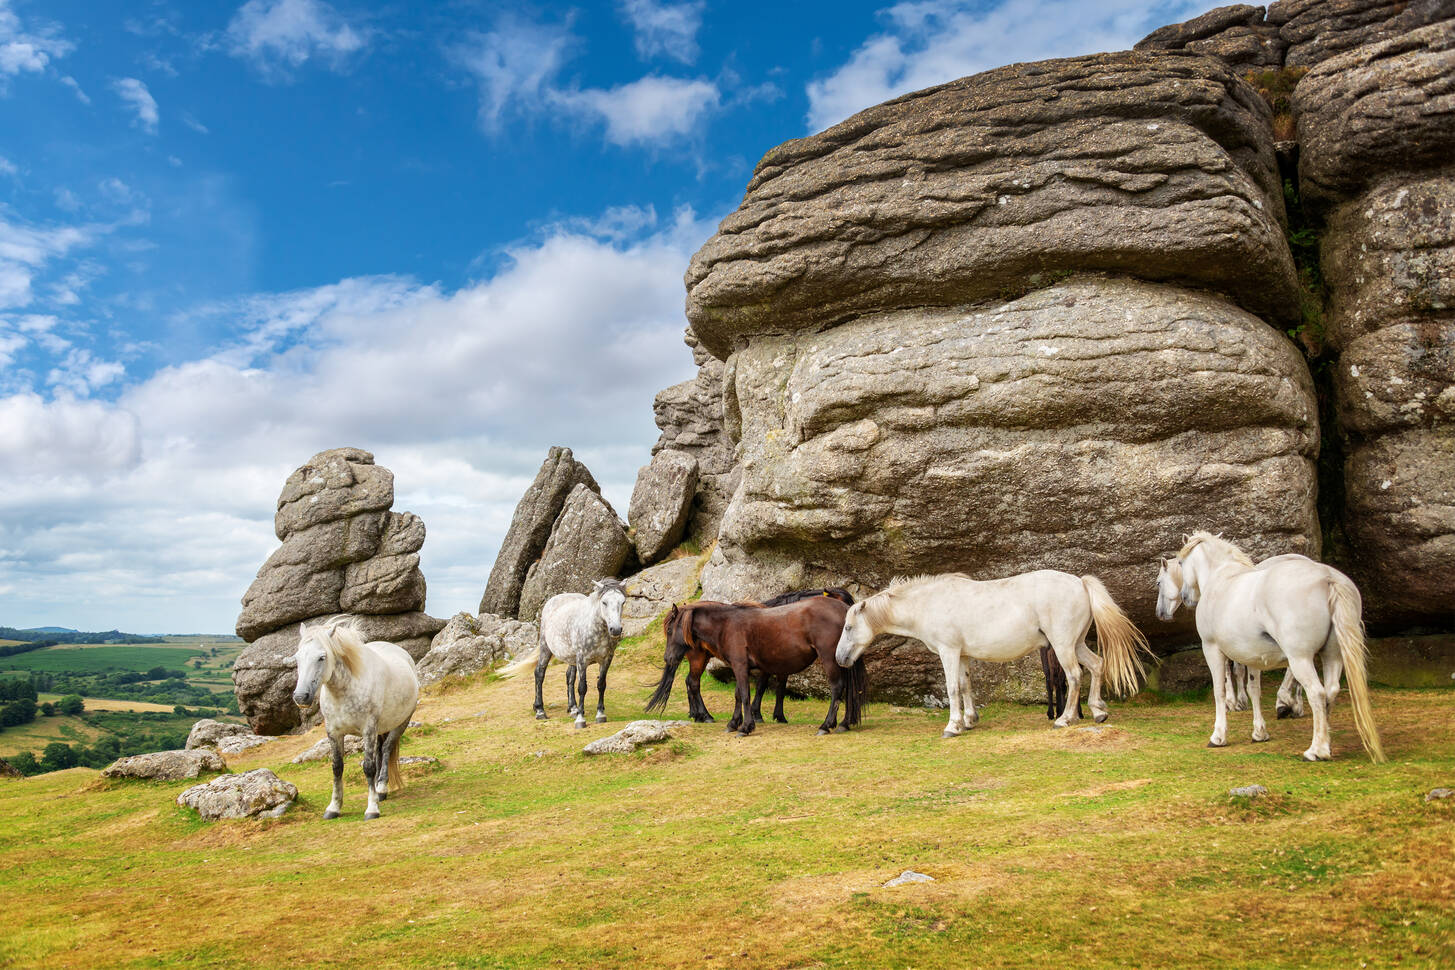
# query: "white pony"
{"points": [[580, 630], [369, 690], [1292, 610], [1001, 620], [1241, 685]]}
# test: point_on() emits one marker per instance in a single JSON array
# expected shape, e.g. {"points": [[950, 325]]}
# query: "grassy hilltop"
{"points": [[1117, 848]]}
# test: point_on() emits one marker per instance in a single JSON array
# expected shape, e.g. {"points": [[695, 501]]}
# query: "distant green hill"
{"points": [[57, 634]]}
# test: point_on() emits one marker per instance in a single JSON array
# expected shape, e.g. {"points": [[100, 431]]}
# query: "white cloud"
{"points": [[517, 66], [275, 35], [25, 50], [136, 96], [75, 86], [194, 124], [929, 42], [668, 29], [25, 250], [166, 494], [7, 167], [647, 110]]}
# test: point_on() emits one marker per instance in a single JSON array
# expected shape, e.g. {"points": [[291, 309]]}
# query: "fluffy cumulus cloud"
{"points": [[928, 42], [518, 65], [277, 35], [665, 29], [139, 101], [152, 509], [27, 48]]}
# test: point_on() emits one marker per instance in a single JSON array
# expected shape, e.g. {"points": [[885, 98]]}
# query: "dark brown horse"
{"points": [[778, 640], [834, 592], [1055, 685]]}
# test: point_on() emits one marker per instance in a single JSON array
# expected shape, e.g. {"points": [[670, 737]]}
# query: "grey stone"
{"points": [[384, 584], [166, 765], [587, 543], [656, 589], [469, 644], [908, 876], [530, 529], [1153, 163], [690, 418], [287, 594], [332, 485], [207, 732], [633, 736], [322, 750], [1437, 794], [417, 759], [254, 794], [1248, 791], [661, 503], [1316, 30], [403, 534], [1181, 672], [1236, 35], [238, 743]]}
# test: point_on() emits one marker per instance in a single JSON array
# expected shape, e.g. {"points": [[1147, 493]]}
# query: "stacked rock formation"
{"points": [[343, 551], [562, 538]]}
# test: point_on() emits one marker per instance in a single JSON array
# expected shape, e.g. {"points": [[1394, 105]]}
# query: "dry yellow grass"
{"points": [[110, 704], [1111, 849]]}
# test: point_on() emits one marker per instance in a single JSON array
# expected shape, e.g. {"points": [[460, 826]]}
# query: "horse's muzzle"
{"points": [[614, 630], [303, 700]]}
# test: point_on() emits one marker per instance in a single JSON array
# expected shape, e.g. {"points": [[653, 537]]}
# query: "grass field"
{"points": [[1118, 847], [33, 737], [108, 704], [85, 658]]}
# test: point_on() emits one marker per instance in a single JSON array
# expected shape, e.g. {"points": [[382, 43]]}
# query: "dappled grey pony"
{"points": [[580, 630], [369, 690]]}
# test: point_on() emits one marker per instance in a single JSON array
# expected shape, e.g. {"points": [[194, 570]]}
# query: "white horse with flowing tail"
{"points": [[1293, 611], [1241, 685], [580, 630], [1003, 619], [369, 690]]}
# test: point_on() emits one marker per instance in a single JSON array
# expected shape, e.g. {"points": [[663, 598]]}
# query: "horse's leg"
{"points": [[696, 706], [742, 720], [970, 712], [758, 696], [950, 658], [336, 804], [542, 662], [387, 752], [1290, 701], [585, 685], [1303, 668], [571, 687], [372, 766], [1052, 688], [1071, 656], [1216, 665], [601, 689], [1333, 669], [836, 693], [778, 714], [1255, 700]]}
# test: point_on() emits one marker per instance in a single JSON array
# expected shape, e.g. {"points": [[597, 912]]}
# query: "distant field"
{"points": [[74, 659], [42, 731], [108, 704]]}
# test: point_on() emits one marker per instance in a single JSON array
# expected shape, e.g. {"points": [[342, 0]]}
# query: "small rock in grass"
{"points": [[909, 875], [166, 765], [1438, 793], [238, 743], [323, 750], [1248, 791], [418, 759], [633, 736], [254, 794]]}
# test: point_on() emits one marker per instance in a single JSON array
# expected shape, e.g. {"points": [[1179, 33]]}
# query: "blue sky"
{"points": [[235, 234]]}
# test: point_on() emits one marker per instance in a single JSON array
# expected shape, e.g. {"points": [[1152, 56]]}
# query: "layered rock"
{"points": [[469, 644], [654, 590], [1152, 164], [588, 542], [342, 551], [206, 733], [530, 529], [165, 765], [690, 418], [661, 503], [1237, 35], [254, 794]]}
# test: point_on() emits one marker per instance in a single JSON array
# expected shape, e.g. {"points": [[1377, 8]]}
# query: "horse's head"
{"points": [[314, 660], [610, 596], [1169, 588], [855, 637]]}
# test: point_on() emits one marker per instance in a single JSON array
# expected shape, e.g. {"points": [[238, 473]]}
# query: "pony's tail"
{"points": [[516, 666], [671, 659], [855, 692], [1345, 608], [1120, 641], [396, 777]]}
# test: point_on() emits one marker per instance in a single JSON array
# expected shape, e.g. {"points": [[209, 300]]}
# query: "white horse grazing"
{"points": [[1241, 684], [958, 618], [580, 630], [369, 690], [1291, 610]]}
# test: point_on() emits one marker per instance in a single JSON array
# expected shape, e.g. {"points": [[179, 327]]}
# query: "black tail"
{"points": [[671, 659], [858, 690]]}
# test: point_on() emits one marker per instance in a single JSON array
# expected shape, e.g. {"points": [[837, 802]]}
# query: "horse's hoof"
{"points": [[1215, 744], [369, 815], [947, 733], [842, 729], [580, 723], [1100, 718], [1258, 740], [729, 729], [330, 814], [601, 719], [743, 734], [1309, 757], [1057, 725], [1284, 711], [540, 715], [823, 731], [781, 720]]}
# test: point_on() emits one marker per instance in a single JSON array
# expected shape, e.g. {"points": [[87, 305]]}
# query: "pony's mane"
{"points": [[875, 607], [1216, 542], [343, 641], [604, 586]]}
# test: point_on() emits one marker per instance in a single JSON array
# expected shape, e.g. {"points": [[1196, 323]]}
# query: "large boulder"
{"points": [[206, 733], [254, 794], [1316, 30], [343, 551], [587, 543], [690, 418], [1154, 164], [656, 589], [166, 765], [1238, 35], [661, 503], [530, 529], [469, 644]]}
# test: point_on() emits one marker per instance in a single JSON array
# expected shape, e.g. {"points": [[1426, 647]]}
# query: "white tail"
{"points": [[1345, 608], [1118, 638], [516, 666]]}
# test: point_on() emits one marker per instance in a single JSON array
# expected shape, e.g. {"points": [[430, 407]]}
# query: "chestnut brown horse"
{"points": [[836, 592], [777, 640]]}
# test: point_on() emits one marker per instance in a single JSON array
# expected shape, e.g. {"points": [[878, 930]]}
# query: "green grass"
{"points": [[1114, 848], [91, 659]]}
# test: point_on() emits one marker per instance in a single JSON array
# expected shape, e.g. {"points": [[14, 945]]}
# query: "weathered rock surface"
{"points": [[342, 551], [1181, 672], [906, 877], [1316, 30], [1248, 791], [690, 418], [238, 743], [469, 644], [661, 503], [530, 529], [587, 543], [1238, 35], [1377, 109], [166, 765], [254, 794], [656, 589], [1085, 427], [1154, 164], [207, 732], [633, 736], [323, 750]]}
